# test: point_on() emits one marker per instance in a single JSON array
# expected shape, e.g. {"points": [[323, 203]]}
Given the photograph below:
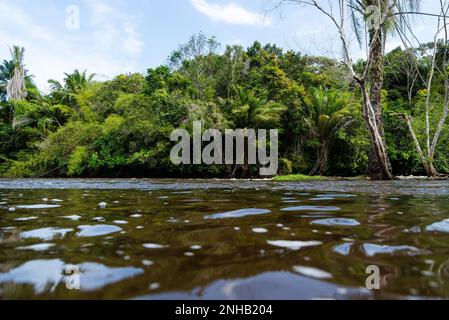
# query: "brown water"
{"points": [[169, 239]]}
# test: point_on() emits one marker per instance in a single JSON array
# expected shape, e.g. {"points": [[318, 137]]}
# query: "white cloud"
{"points": [[107, 44], [231, 13], [113, 28]]}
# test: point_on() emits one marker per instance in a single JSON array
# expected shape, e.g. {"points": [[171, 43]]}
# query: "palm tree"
{"points": [[396, 21], [331, 113], [74, 83], [16, 87], [248, 111]]}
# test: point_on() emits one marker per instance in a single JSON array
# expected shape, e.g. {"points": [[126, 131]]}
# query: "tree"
{"points": [[439, 63], [195, 60], [16, 87], [377, 17], [332, 113], [74, 83]]}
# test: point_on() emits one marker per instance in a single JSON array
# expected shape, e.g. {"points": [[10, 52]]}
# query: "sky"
{"points": [[110, 37]]}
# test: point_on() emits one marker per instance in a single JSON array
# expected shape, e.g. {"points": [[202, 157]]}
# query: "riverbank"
{"points": [[302, 177]]}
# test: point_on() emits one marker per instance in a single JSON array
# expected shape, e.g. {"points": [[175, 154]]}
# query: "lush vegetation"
{"points": [[121, 127]]}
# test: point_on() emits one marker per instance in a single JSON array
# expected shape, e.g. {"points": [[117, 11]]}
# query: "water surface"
{"points": [[214, 239]]}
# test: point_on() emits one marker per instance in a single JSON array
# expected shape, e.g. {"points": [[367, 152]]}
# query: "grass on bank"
{"points": [[299, 177]]}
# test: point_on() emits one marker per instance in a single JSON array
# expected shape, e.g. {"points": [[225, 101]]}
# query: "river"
{"points": [[222, 239]]}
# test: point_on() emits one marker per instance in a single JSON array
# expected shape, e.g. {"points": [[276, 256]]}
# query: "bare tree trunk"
{"points": [[377, 141], [322, 159], [426, 162], [376, 80]]}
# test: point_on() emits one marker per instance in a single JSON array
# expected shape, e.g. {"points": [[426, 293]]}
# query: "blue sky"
{"points": [[117, 36]]}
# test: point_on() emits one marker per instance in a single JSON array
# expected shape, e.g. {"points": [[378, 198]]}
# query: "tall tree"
{"points": [[332, 113], [371, 19], [16, 87], [438, 68]]}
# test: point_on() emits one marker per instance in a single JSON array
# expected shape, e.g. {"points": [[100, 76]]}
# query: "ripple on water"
{"points": [[73, 218], [442, 226], [44, 274], [37, 247], [25, 219], [238, 214], [341, 222], [97, 230], [312, 272], [343, 249], [312, 208], [120, 222], [38, 206], [45, 234], [373, 249], [336, 195], [294, 245], [154, 246]]}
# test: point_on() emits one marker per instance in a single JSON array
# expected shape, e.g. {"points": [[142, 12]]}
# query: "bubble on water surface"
{"points": [[136, 216], [103, 205], [260, 230], [312, 272], [154, 286], [337, 222], [45, 234], [294, 245], [238, 214], [196, 247], [147, 263], [97, 230], [120, 222]]}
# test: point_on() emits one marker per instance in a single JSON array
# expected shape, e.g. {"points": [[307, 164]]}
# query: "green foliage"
{"points": [[122, 127], [299, 177]]}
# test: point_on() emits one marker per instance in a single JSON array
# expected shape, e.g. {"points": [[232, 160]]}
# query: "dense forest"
{"points": [[121, 127]]}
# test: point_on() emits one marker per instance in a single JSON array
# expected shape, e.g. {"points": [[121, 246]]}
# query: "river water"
{"points": [[222, 239]]}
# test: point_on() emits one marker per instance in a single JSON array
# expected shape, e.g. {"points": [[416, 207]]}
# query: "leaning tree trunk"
{"points": [[377, 141], [376, 80]]}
